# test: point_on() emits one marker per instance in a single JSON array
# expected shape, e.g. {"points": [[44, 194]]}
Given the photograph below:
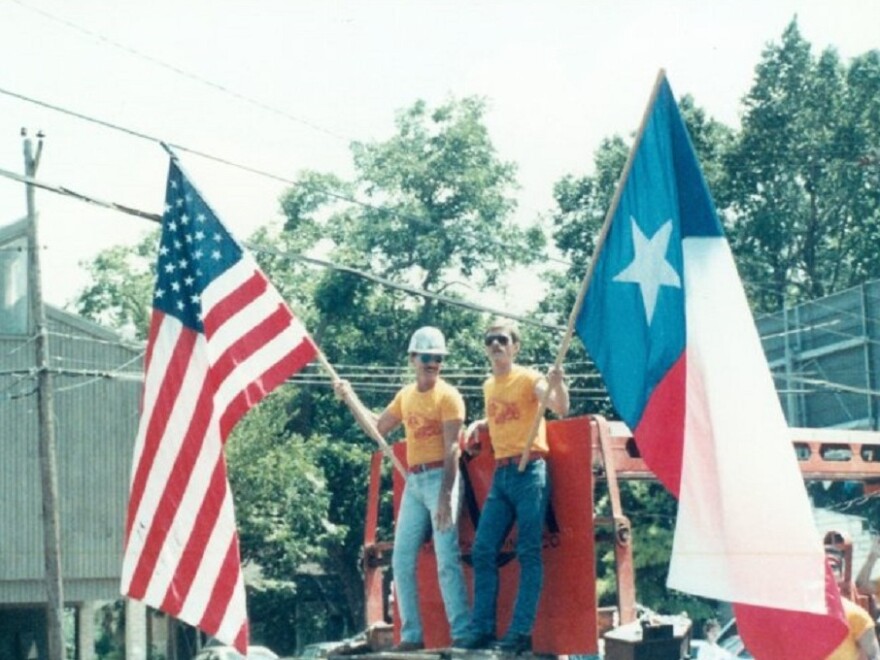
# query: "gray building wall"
{"points": [[95, 426], [825, 358]]}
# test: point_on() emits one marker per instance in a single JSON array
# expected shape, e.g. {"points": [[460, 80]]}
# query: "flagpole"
{"points": [[600, 242], [362, 419], [358, 411]]}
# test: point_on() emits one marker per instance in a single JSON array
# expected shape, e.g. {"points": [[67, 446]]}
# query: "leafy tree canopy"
{"points": [[803, 175]]}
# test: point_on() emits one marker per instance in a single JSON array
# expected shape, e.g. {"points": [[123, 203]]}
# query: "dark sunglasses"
{"points": [[426, 358], [503, 340]]}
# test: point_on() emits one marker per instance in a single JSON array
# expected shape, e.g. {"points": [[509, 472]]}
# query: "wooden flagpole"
{"points": [[357, 408], [600, 242]]}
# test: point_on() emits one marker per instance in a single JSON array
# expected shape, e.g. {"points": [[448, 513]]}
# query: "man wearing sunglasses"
{"points": [[432, 413], [512, 397]]}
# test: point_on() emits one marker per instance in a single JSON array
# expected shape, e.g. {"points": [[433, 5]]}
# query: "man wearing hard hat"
{"points": [[432, 413]]}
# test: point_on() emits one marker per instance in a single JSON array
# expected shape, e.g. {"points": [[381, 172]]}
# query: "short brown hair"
{"points": [[501, 323]]}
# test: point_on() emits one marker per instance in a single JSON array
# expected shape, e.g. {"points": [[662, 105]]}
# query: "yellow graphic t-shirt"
{"points": [[511, 406], [423, 414]]}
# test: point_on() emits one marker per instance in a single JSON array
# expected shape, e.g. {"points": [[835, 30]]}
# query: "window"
{"points": [[14, 287]]}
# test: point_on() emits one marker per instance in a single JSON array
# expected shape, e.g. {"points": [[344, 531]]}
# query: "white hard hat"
{"points": [[427, 339]]}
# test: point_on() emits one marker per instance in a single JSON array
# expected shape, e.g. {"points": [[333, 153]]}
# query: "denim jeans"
{"points": [[522, 496], [415, 518]]}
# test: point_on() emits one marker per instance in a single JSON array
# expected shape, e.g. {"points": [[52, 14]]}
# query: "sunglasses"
{"points": [[425, 358], [503, 340]]}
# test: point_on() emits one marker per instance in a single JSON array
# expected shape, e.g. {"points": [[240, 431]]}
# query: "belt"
{"points": [[514, 460], [424, 467]]}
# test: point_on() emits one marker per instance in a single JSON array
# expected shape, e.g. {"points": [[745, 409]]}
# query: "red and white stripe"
{"points": [[181, 553], [744, 531]]}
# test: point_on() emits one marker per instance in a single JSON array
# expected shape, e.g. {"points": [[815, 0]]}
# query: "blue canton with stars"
{"points": [[195, 249]]}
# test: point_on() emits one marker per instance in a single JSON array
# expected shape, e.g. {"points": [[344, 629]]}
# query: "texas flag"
{"points": [[666, 320]]}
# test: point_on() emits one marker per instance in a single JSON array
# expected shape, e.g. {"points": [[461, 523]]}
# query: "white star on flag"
{"points": [[649, 267]]}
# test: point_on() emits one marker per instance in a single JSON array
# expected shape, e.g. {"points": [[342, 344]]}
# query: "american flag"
{"points": [[221, 338]]}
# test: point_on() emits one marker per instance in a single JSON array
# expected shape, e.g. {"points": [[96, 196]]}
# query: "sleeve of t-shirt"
{"points": [[396, 405], [859, 621], [452, 406], [534, 377]]}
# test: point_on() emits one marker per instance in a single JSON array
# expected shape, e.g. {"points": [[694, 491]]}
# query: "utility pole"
{"points": [[46, 408]]}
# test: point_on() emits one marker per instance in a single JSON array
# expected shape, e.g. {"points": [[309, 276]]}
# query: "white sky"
{"points": [[559, 76]]}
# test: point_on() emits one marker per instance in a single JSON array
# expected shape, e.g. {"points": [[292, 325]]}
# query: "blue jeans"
{"points": [[522, 496], [415, 518]]}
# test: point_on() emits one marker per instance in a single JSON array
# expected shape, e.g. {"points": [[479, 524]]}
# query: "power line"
{"points": [[246, 168], [104, 375], [182, 72], [311, 260], [24, 344], [408, 289], [223, 161], [197, 78], [415, 290], [412, 290], [62, 190]]}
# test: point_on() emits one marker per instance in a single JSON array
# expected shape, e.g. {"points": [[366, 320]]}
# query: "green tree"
{"points": [[282, 498], [429, 207], [803, 176], [283, 508], [445, 200], [121, 279]]}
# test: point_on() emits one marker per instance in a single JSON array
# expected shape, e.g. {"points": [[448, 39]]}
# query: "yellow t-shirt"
{"points": [[423, 414], [511, 406], [858, 621]]}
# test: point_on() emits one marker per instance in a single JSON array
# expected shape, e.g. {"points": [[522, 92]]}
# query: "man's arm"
{"points": [[451, 430], [868, 644], [557, 396], [863, 579], [471, 445], [384, 423]]}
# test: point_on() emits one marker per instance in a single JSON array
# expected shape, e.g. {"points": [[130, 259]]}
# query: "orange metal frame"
{"points": [[825, 454]]}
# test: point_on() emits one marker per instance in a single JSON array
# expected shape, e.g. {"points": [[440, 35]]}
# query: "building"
{"points": [[825, 358], [96, 399]]}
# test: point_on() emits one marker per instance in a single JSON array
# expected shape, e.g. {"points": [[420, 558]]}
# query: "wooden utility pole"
{"points": [[46, 409]]}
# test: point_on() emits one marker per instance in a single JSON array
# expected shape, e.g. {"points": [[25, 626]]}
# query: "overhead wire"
{"points": [[312, 260], [177, 70], [384, 281], [218, 159], [16, 378], [332, 194], [407, 288], [226, 90], [474, 307], [24, 343], [121, 341], [111, 375], [229, 163], [458, 302], [180, 71]]}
